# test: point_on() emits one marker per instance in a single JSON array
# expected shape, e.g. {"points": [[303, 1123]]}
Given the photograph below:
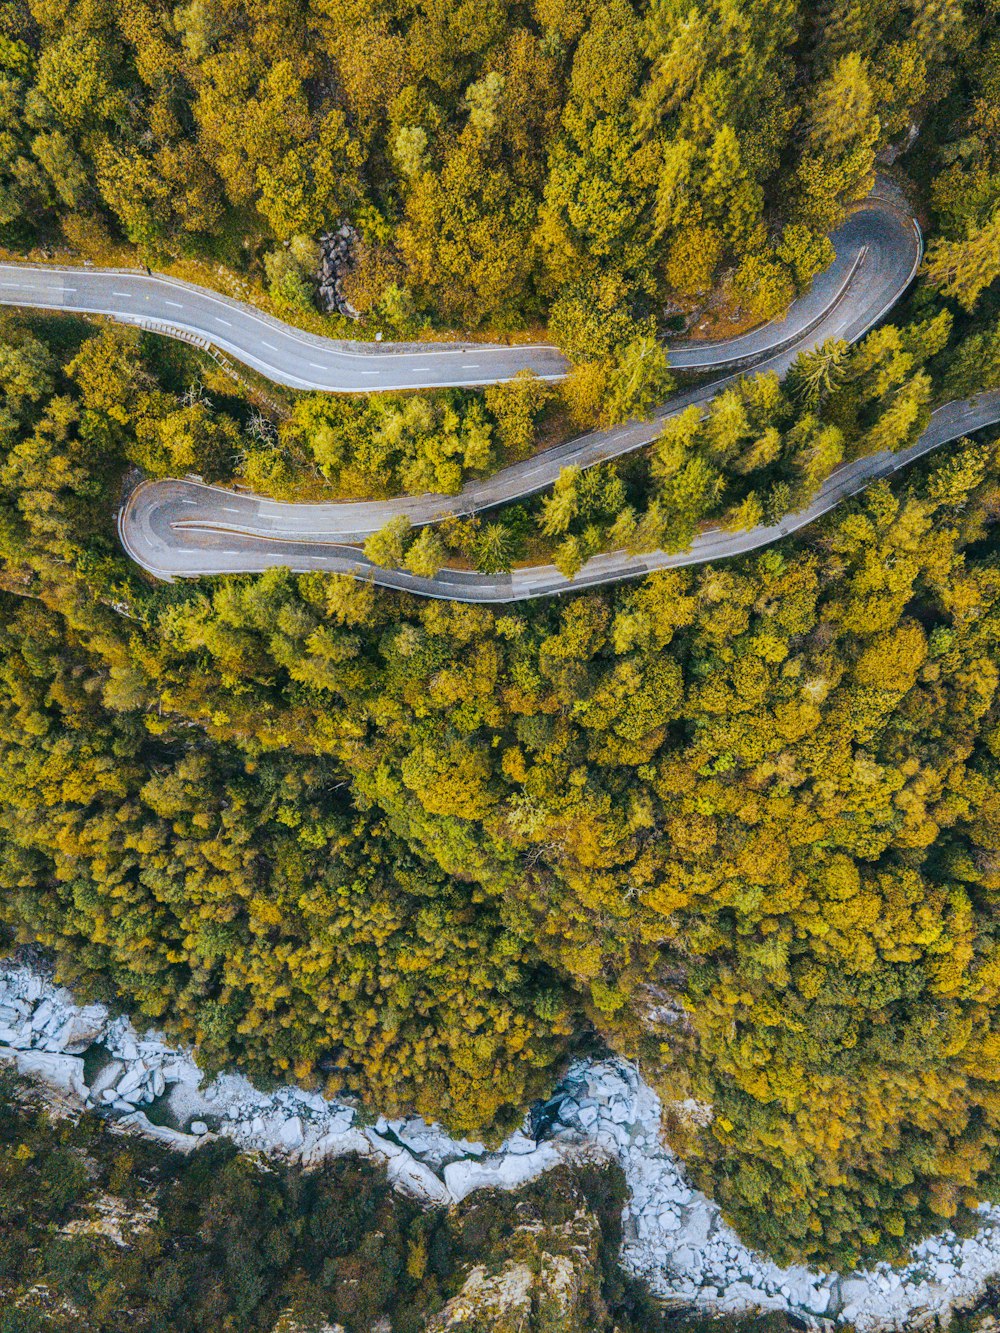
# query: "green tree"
{"points": [[494, 548], [386, 547], [427, 554], [560, 508], [963, 269]]}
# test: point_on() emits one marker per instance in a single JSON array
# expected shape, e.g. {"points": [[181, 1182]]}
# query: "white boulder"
{"points": [[82, 1028], [335, 1144], [131, 1080], [62, 1072], [291, 1133], [406, 1173], [505, 1173], [173, 1138]]}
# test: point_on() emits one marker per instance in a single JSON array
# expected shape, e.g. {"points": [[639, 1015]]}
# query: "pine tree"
{"points": [[964, 269]]}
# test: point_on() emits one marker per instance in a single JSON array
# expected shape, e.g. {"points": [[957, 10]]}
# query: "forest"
{"points": [[105, 1234], [739, 823], [593, 167], [563, 160]]}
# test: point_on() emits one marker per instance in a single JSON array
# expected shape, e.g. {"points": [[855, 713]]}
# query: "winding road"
{"points": [[182, 528], [286, 355]]}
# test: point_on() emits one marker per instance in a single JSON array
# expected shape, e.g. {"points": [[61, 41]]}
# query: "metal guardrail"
{"points": [[228, 367]]}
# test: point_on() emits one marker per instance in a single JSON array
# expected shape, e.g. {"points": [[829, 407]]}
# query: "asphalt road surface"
{"points": [[284, 354], [182, 528], [167, 549], [881, 251]]}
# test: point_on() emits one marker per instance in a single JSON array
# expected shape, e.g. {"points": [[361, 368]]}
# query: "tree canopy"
{"points": [[739, 822]]}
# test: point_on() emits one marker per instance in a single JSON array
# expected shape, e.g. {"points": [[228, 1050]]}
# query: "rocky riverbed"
{"points": [[674, 1236]]}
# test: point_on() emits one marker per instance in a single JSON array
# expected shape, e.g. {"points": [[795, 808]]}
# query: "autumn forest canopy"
{"points": [[578, 163], [741, 822]]}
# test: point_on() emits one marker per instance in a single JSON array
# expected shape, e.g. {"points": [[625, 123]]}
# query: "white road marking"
{"points": [[126, 295], [219, 320], [176, 304], [270, 346], [620, 442]]}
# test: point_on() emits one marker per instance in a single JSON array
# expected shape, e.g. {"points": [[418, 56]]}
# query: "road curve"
{"points": [[182, 528], [286, 355], [209, 550], [866, 252], [879, 251]]}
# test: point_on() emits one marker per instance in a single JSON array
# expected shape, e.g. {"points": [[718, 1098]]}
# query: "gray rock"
{"points": [[337, 1145], [62, 1072], [463, 1177], [685, 1259], [83, 1029], [406, 1173], [198, 1127], [163, 1133], [130, 1081], [672, 1192], [518, 1144], [182, 1071], [107, 1078], [853, 1291], [291, 1133]]}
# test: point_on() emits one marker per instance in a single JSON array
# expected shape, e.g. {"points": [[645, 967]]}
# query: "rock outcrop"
{"points": [[674, 1237], [336, 259], [550, 1284]]}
